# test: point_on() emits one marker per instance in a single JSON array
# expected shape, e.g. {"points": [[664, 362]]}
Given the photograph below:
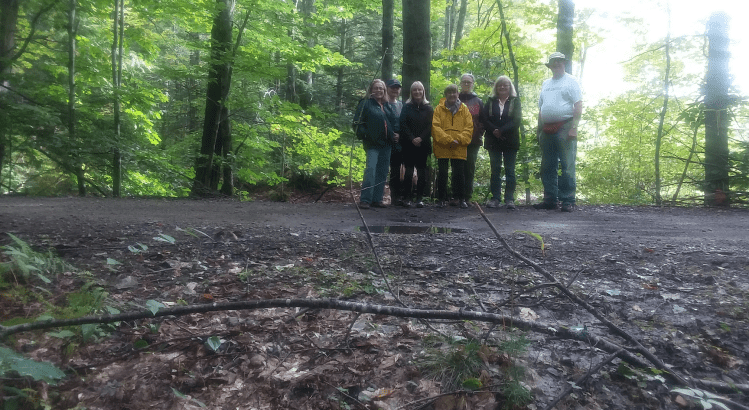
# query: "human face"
{"points": [[557, 67], [394, 93], [378, 91], [417, 94], [451, 97], [466, 84], [502, 89]]}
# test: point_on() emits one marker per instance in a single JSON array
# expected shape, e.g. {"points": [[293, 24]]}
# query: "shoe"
{"points": [[463, 204], [363, 205], [378, 205], [399, 202], [510, 204], [453, 202], [419, 204], [493, 203], [568, 207], [407, 204], [546, 205]]}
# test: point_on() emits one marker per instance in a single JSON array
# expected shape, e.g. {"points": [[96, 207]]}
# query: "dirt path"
{"points": [[674, 278]]}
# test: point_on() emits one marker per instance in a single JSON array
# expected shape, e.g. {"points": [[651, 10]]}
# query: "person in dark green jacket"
{"points": [[376, 124]]}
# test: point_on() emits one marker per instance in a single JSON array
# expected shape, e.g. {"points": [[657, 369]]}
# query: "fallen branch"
{"points": [[592, 310]]}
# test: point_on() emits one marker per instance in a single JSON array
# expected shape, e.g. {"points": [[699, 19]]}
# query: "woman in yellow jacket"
{"points": [[452, 130]]}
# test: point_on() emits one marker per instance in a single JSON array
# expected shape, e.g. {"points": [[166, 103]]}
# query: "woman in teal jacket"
{"points": [[376, 125]]}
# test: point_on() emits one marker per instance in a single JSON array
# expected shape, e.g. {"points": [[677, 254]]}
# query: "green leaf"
{"points": [[164, 238], [154, 306], [472, 383], [12, 361], [140, 344], [213, 343], [63, 334], [111, 261]]}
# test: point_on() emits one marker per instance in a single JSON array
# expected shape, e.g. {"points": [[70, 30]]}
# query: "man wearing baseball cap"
{"points": [[560, 108]]}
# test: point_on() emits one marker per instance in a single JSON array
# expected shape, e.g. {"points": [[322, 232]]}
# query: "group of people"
{"points": [[396, 135]]}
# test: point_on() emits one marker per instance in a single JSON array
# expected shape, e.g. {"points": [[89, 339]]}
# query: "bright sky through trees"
{"points": [[603, 75]]}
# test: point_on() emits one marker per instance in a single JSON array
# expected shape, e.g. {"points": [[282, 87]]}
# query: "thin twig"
{"points": [[579, 381]]}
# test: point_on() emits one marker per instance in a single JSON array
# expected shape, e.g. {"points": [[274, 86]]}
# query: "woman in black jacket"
{"points": [[416, 140], [502, 116]]}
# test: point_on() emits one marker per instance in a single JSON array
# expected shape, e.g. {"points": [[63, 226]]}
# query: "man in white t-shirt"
{"points": [[560, 107]]}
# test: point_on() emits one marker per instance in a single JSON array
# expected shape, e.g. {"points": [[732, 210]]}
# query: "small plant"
{"points": [[706, 399], [25, 262], [452, 363]]}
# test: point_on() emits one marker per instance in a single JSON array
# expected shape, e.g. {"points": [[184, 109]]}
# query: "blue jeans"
{"points": [[556, 150], [495, 183], [375, 174]]}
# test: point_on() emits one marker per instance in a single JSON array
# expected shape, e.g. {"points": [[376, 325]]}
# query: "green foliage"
{"points": [[13, 363], [452, 362], [704, 398], [26, 263]]}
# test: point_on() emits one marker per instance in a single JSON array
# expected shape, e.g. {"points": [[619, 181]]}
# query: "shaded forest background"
{"points": [[175, 98]]}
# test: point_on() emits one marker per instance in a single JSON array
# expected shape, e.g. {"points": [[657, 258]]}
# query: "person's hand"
{"points": [[454, 144], [572, 134], [396, 137], [417, 141]]}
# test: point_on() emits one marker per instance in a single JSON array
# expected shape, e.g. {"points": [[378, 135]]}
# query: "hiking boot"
{"points": [[493, 203], [407, 204], [379, 205], [463, 205], [510, 204], [568, 207], [419, 203], [546, 205], [399, 202], [454, 202], [363, 205]]}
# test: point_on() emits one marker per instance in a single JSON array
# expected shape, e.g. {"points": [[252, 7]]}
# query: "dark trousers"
{"points": [[396, 185], [457, 181], [473, 153]]}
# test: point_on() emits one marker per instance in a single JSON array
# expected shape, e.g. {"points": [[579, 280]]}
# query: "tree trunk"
{"points": [[72, 32], [417, 40], [717, 81], [664, 109], [461, 23], [340, 73], [8, 22], [118, 32], [564, 31], [207, 174], [388, 38], [449, 14]]}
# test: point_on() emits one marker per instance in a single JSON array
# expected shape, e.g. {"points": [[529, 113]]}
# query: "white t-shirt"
{"points": [[558, 97]]}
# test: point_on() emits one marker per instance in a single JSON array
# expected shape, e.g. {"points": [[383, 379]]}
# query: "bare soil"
{"points": [[673, 278]]}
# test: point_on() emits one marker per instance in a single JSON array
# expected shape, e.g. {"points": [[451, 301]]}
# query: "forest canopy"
{"points": [[176, 98]]}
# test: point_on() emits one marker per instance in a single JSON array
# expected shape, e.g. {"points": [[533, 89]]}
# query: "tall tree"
{"points": [[77, 166], [8, 22], [417, 39], [461, 23], [388, 38], [664, 110], [717, 82], [565, 20], [207, 171], [118, 33]]}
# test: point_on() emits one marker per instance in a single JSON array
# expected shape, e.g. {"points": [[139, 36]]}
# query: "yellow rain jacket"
{"points": [[447, 127]]}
